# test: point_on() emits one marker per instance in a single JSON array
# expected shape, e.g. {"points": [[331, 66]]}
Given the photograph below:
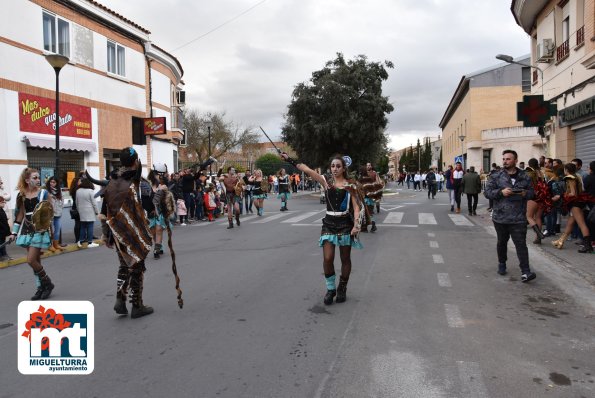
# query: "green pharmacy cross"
{"points": [[534, 111]]}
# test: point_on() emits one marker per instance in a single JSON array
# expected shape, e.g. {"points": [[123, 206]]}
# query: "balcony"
{"points": [[580, 37], [535, 77], [562, 52]]}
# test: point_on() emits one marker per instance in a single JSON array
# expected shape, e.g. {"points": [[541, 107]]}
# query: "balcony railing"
{"points": [[562, 51], [580, 36], [535, 77]]}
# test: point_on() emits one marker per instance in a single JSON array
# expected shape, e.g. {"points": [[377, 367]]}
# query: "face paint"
{"points": [[33, 180]]}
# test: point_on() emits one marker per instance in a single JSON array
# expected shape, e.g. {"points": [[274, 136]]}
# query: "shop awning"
{"points": [[65, 143]]}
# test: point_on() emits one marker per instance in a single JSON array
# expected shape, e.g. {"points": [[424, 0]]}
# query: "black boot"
{"points": [[538, 232], [373, 229], [46, 286], [587, 246], [143, 310], [136, 293], [120, 306], [342, 290], [238, 219], [329, 296], [230, 226]]}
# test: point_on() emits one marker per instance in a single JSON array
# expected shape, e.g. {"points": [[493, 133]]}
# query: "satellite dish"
{"points": [[347, 160]]}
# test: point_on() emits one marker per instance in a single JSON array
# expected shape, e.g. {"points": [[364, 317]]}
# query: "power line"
{"points": [[220, 26]]}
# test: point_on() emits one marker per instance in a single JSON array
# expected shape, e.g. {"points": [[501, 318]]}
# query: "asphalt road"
{"points": [[426, 315]]}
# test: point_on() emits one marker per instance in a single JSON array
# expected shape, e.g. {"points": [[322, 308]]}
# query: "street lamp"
{"points": [[510, 60], [57, 62], [462, 138]]}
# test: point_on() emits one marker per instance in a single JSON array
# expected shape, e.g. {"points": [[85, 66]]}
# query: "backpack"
{"points": [[146, 197]]}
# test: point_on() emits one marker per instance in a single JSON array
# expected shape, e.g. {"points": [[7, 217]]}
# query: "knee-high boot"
{"points": [[136, 293], [122, 288], [342, 289], [587, 246], [44, 286]]}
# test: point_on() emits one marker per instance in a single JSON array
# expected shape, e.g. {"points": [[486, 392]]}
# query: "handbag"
{"points": [[74, 214]]}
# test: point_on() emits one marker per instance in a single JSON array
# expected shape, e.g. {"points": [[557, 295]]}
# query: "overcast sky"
{"points": [[249, 67]]}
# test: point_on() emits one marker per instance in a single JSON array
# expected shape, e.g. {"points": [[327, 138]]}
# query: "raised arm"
{"points": [[303, 167]]}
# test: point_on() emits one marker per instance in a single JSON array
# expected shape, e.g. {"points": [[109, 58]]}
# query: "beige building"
{"points": [[484, 101], [563, 53]]}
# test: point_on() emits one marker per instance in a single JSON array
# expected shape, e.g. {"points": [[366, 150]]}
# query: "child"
{"points": [[182, 212], [4, 230], [209, 200]]}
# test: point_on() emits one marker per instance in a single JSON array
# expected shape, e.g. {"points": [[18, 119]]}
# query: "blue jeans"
{"points": [[57, 224], [248, 200], [550, 221], [86, 233]]}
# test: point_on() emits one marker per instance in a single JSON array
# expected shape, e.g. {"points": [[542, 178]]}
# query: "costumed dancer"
{"points": [[32, 226], [341, 224], [125, 226], [372, 187], [284, 193], [575, 201], [259, 190], [234, 187], [535, 206], [153, 194]]}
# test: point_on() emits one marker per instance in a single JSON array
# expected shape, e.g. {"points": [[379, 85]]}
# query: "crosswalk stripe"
{"points": [[300, 217], [460, 220], [394, 217], [269, 218], [427, 218]]}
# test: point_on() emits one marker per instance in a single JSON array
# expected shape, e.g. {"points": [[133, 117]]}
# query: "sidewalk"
{"points": [[569, 259]]}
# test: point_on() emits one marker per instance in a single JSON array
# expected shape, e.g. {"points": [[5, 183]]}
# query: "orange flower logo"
{"points": [[43, 319]]}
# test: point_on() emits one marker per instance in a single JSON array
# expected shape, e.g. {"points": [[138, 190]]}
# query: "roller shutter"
{"points": [[585, 144]]}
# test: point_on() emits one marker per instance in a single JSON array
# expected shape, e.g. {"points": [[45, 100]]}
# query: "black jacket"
{"points": [[4, 227]]}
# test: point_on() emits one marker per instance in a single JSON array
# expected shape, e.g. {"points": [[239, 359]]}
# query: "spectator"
{"points": [[88, 211], [199, 211], [53, 187], [182, 212], [4, 230], [457, 179], [74, 214], [417, 181], [471, 186], [431, 183]]}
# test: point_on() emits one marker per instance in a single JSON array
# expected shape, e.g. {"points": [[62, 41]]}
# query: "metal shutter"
{"points": [[585, 144]]}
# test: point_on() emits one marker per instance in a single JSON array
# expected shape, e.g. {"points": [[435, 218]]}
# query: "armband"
{"points": [[15, 228]]}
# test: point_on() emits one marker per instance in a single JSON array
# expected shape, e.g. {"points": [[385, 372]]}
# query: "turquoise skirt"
{"points": [[159, 220], [40, 240], [284, 195], [340, 240], [261, 196]]}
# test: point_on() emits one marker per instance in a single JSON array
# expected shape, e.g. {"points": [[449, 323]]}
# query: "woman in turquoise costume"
{"points": [[259, 191], [284, 193], [341, 224], [33, 200]]}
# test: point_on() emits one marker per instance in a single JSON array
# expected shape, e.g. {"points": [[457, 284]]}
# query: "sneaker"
{"points": [[79, 245], [92, 244], [502, 269], [183, 224], [528, 276]]}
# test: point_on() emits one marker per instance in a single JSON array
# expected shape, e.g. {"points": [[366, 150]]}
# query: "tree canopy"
{"points": [[340, 110], [270, 164]]}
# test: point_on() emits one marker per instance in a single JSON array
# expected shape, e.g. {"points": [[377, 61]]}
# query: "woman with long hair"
{"points": [[259, 190], [52, 185], [535, 206], [340, 225], [575, 200], [88, 212], [27, 235], [284, 194], [74, 186]]}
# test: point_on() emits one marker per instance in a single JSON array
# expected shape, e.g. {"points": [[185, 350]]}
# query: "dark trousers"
{"points": [[458, 192], [518, 233], [431, 190], [248, 200], [3, 248], [472, 199], [189, 201], [77, 229], [550, 221], [416, 185]]}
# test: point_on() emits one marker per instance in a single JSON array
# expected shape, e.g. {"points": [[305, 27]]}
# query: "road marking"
{"points": [[300, 217], [399, 225], [306, 225], [394, 217], [431, 235], [471, 380], [444, 280], [392, 208], [269, 218], [438, 259], [460, 220], [433, 244], [427, 218], [453, 316]]}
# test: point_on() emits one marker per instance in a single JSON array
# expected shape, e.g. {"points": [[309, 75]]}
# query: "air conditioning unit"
{"points": [[181, 97], [545, 50], [184, 141]]}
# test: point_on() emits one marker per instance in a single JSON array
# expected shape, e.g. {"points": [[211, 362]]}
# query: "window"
{"points": [[526, 79], [56, 35], [565, 29], [116, 59], [487, 163]]}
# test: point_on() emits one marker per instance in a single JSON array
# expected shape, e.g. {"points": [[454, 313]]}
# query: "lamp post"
{"points": [[510, 60], [462, 138], [57, 62]]}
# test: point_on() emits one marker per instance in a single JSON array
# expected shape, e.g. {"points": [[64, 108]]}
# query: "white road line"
{"points": [[399, 225], [300, 217], [453, 316], [269, 218], [427, 218], [460, 220], [444, 280], [307, 225], [433, 244], [394, 217], [471, 380], [438, 259], [431, 235], [391, 209]]}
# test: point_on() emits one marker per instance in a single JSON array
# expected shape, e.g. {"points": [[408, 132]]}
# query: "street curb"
{"points": [[21, 260]]}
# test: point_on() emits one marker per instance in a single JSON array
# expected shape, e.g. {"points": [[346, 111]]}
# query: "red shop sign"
{"points": [[38, 115], [154, 125]]}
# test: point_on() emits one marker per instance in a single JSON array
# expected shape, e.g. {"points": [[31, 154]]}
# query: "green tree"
{"points": [[270, 164], [340, 110], [225, 134], [382, 166]]}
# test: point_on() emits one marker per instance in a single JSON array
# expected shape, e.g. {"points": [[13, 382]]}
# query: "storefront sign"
{"points": [[154, 125], [38, 115], [577, 112]]}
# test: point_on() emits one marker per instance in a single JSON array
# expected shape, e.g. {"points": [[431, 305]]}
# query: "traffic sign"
{"points": [[459, 159]]}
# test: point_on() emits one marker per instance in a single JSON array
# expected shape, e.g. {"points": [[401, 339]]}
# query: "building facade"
{"points": [[563, 52], [483, 101], [114, 79]]}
